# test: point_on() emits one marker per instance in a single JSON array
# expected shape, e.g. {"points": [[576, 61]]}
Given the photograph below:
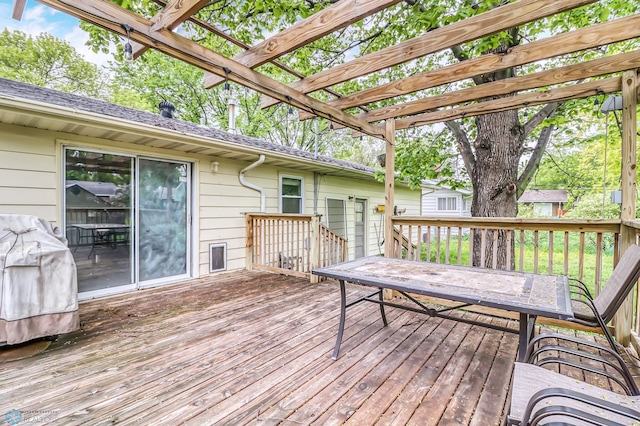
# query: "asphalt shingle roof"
{"points": [[67, 100]]}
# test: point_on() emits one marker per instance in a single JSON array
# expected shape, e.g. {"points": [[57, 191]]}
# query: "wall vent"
{"points": [[217, 257]]}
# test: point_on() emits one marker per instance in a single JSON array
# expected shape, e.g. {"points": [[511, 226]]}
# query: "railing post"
{"points": [[249, 243], [624, 316], [315, 247]]}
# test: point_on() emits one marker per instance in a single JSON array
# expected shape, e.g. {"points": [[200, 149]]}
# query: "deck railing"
{"points": [[583, 249], [292, 244]]}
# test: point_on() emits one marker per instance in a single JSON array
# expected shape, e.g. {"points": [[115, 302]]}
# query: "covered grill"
{"points": [[38, 286]]}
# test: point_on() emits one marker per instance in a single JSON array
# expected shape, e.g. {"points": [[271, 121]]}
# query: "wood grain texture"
{"points": [[254, 348], [574, 41], [608, 65], [111, 16], [326, 21], [175, 13], [493, 21]]}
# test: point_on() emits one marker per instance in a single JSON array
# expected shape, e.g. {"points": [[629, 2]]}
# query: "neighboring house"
{"points": [[546, 202], [440, 200], [186, 187]]}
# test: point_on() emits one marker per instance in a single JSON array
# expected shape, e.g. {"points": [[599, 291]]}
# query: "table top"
{"points": [[94, 226], [534, 294]]}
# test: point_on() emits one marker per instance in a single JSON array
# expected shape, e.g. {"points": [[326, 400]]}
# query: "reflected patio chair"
{"points": [[599, 311], [543, 397]]}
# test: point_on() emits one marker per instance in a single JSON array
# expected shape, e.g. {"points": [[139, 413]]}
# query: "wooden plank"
{"points": [[326, 21], [175, 13], [378, 403], [608, 65], [442, 392], [574, 41], [499, 19], [401, 410], [314, 398], [139, 49], [630, 85], [397, 368], [18, 9], [576, 91], [111, 17]]}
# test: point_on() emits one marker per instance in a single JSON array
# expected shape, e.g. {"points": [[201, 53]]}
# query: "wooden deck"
{"points": [[255, 348]]}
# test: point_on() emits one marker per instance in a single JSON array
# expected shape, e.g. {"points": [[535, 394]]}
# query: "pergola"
{"points": [[526, 90]]}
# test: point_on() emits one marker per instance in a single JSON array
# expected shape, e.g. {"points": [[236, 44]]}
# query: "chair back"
{"points": [[624, 276]]}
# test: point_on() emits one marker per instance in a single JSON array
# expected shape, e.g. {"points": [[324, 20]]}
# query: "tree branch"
{"points": [[464, 146], [534, 162]]}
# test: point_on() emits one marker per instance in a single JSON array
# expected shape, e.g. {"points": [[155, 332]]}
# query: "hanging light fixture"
{"points": [[128, 50]]}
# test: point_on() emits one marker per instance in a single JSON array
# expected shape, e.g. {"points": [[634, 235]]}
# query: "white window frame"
{"points": [[447, 198], [281, 196]]}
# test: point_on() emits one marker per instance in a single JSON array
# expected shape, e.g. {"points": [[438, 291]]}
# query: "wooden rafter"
{"points": [[491, 22], [576, 91], [111, 17], [607, 65], [18, 9], [574, 41], [175, 13], [139, 49], [333, 18]]}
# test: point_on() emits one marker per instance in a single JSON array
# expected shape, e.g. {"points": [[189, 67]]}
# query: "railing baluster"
{"points": [[536, 253], [581, 258], [494, 253], [447, 246], [550, 268], [566, 252], [483, 247], [522, 240], [598, 273]]}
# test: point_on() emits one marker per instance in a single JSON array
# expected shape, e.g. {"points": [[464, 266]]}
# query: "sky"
{"points": [[38, 18]]}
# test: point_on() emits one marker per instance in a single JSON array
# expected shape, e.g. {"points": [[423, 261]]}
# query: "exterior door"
{"points": [[163, 218], [360, 225]]}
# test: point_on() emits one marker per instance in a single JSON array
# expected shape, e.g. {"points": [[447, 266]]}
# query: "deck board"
{"points": [[255, 348]]}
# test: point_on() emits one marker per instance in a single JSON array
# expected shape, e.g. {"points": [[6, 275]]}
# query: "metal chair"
{"points": [[598, 311], [543, 397]]}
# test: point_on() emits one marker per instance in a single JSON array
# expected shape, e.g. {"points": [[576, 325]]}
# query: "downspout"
{"points": [[243, 182]]}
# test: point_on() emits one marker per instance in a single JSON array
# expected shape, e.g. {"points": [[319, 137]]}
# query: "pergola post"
{"points": [[389, 188], [624, 316]]}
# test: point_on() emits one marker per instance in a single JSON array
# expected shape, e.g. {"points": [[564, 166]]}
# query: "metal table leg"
{"points": [[343, 313], [525, 334], [384, 317]]}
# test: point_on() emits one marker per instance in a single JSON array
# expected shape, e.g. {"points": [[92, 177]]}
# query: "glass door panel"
{"points": [[163, 209], [99, 219]]}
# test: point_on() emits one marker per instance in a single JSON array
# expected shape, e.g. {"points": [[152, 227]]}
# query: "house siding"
{"points": [[430, 204], [31, 167], [28, 173]]}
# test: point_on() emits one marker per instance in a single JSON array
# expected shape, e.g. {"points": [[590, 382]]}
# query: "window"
{"points": [[291, 194], [447, 203]]}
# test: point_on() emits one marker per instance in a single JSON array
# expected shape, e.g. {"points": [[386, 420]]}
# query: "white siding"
{"points": [[28, 173], [30, 181], [430, 203]]}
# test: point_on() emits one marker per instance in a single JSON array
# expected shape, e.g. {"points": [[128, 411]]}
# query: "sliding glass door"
{"points": [[163, 217], [127, 220]]}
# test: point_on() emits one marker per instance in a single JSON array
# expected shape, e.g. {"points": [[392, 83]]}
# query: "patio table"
{"points": [[530, 295], [101, 233]]}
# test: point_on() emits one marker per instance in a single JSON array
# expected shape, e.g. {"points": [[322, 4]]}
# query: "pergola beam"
{"points": [[111, 17], [18, 9], [175, 13], [607, 65], [576, 91], [499, 19], [585, 38], [326, 21]]}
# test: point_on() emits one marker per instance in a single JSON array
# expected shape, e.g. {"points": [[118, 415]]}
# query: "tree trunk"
{"points": [[497, 154]]}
